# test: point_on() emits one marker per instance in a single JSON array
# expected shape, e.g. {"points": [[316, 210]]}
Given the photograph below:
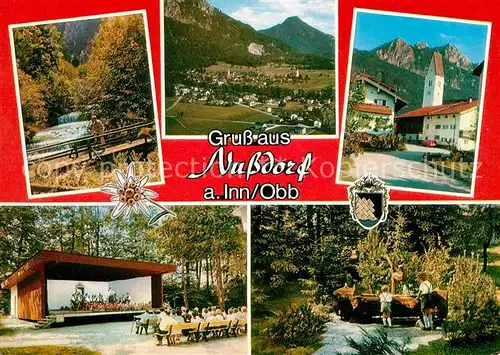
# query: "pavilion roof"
{"points": [[69, 266]]}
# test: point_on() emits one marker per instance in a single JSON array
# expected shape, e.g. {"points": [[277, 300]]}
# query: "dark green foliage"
{"points": [[378, 342], [297, 326], [4, 302], [37, 49], [304, 38], [236, 292], [302, 242]]}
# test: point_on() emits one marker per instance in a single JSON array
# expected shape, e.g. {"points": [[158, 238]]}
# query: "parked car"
{"points": [[431, 143]]}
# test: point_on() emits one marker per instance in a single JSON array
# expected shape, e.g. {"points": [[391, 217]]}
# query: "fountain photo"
{"points": [[86, 101], [121, 286], [426, 281]]}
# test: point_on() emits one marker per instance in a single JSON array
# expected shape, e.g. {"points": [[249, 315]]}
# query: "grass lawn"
{"points": [[192, 126], [200, 119], [6, 331], [47, 350], [439, 347], [260, 343], [169, 101]]}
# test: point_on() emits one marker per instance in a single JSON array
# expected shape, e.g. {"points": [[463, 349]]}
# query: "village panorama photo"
{"points": [[86, 101], [74, 280], [268, 66], [413, 103]]}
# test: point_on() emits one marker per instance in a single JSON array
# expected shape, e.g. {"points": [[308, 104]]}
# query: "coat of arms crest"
{"points": [[369, 201]]}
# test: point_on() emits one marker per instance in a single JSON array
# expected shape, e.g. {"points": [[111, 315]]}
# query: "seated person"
{"points": [[196, 318], [244, 313], [164, 319], [178, 316], [231, 315], [147, 317]]}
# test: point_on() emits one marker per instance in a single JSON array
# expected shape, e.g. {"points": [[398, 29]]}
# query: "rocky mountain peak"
{"points": [[453, 55], [398, 52], [421, 45], [190, 11]]}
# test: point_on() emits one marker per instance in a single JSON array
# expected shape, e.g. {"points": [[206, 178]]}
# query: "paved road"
{"points": [[115, 338], [337, 330], [406, 170]]}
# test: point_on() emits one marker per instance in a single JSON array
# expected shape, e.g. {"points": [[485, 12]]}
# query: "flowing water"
{"points": [[68, 128]]}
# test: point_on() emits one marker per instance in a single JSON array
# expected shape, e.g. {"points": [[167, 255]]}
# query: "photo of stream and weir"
{"points": [[86, 102]]}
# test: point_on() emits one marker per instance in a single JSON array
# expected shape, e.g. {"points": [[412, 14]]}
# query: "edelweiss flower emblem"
{"points": [[132, 196]]}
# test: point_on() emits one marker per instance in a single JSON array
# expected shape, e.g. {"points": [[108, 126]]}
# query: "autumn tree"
{"points": [[118, 69], [33, 106]]}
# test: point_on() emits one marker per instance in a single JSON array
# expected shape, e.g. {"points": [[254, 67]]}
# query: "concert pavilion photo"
{"points": [[74, 280], [49, 285]]}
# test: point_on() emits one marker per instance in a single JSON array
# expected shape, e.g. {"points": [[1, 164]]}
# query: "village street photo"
{"points": [[426, 281], [236, 65], [75, 281], [86, 101], [414, 101]]}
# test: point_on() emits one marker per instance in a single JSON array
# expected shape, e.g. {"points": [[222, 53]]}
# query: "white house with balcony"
{"points": [[380, 103]]}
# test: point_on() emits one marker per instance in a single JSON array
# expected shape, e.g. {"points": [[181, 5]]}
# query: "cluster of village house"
{"points": [[449, 124], [211, 88]]}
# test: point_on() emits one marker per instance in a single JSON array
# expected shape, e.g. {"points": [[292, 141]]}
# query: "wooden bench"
{"points": [[186, 329], [202, 330], [218, 328], [239, 326]]}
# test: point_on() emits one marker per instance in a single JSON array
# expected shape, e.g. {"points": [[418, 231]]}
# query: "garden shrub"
{"points": [[378, 343], [352, 145], [473, 311], [297, 326]]}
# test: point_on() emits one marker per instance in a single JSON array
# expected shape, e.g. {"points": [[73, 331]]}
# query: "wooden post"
{"points": [[156, 291], [43, 280], [89, 149]]}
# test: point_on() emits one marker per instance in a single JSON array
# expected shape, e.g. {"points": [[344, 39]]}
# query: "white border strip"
{"points": [[204, 137], [18, 97], [348, 81]]}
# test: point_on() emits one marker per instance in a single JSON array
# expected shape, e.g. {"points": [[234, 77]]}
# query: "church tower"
{"points": [[434, 82]]}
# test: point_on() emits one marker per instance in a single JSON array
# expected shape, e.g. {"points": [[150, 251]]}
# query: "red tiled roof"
{"points": [[446, 109], [372, 78], [438, 64], [372, 108]]}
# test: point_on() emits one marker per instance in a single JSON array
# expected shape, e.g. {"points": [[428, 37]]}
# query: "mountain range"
{"points": [[198, 35], [404, 66], [303, 37]]}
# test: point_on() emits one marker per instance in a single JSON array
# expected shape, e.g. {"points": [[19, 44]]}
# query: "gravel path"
{"points": [[337, 330], [116, 339], [406, 170]]}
